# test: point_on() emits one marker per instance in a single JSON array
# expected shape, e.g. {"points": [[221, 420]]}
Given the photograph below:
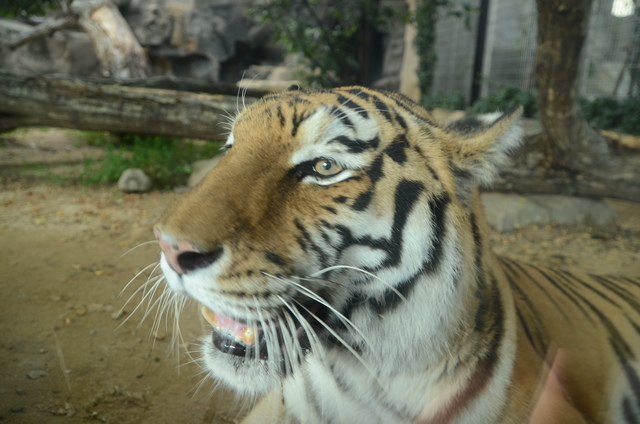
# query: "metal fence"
{"points": [[611, 57]]}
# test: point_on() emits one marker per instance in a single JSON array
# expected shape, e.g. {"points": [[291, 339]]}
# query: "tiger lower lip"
{"points": [[235, 338], [229, 345]]}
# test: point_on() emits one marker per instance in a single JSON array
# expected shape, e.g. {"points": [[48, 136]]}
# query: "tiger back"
{"points": [[340, 254]]}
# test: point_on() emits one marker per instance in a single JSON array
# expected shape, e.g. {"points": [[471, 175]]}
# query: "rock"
{"points": [[66, 52], [134, 180], [199, 39], [271, 78], [202, 168], [37, 374], [506, 212]]}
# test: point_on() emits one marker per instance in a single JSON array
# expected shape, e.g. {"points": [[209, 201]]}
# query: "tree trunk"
{"points": [[116, 47], [28, 100], [562, 30]]}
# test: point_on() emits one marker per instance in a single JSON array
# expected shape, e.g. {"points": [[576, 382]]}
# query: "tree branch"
{"points": [[45, 29]]}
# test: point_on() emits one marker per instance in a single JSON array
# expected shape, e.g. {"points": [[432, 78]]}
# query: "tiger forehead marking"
{"points": [[330, 124], [340, 255]]}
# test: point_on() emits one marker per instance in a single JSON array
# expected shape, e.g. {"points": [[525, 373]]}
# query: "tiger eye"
{"points": [[327, 167]]}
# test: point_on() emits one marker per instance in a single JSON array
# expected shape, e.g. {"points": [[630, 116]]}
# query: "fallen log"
{"points": [[36, 100], [183, 84], [533, 171], [33, 100]]}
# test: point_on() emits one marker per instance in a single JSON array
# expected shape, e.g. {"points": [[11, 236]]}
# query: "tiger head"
{"points": [[338, 226]]}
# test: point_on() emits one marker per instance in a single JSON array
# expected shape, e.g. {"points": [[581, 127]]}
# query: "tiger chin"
{"points": [[339, 253]]}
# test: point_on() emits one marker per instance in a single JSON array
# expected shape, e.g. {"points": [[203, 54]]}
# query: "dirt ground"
{"points": [[67, 352]]}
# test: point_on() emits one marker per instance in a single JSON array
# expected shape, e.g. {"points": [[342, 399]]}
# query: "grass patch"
{"points": [[44, 172], [167, 161]]}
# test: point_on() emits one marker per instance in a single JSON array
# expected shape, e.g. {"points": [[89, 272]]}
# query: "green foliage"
{"points": [[425, 19], [441, 100], [604, 113], [167, 161], [328, 34], [507, 98], [17, 8], [98, 138], [611, 114]]}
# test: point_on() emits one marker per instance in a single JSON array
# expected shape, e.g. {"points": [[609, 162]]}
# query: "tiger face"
{"points": [[333, 246]]}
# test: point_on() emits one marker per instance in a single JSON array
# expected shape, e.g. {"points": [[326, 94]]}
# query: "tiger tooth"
{"points": [[243, 334], [249, 336], [210, 316]]}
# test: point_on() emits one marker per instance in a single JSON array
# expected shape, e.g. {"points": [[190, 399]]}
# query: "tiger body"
{"points": [[340, 253]]}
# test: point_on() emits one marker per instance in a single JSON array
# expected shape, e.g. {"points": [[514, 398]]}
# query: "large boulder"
{"points": [[66, 52], [197, 38]]}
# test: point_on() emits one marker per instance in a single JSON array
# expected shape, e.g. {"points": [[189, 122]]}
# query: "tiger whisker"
{"points": [[312, 295], [288, 351], [353, 268], [296, 342], [355, 353], [154, 267], [151, 305], [240, 95], [156, 281], [178, 330], [314, 342], [270, 336], [176, 334], [205, 377], [162, 304], [141, 289], [137, 246]]}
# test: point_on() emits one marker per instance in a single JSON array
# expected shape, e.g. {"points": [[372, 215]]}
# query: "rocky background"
{"points": [[200, 39]]}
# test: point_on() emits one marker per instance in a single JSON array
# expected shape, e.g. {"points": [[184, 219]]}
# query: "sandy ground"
{"points": [[67, 353]]}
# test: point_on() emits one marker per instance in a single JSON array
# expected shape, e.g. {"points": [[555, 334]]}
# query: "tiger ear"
{"points": [[480, 146]]}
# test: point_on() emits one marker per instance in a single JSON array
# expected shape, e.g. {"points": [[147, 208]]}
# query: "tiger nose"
{"points": [[182, 256]]}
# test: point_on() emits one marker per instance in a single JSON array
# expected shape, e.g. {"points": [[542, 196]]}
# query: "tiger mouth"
{"points": [[240, 339]]}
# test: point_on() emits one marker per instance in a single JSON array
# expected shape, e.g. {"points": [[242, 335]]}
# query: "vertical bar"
{"points": [[478, 60]]}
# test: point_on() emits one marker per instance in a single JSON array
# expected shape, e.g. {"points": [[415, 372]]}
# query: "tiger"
{"points": [[340, 253]]}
